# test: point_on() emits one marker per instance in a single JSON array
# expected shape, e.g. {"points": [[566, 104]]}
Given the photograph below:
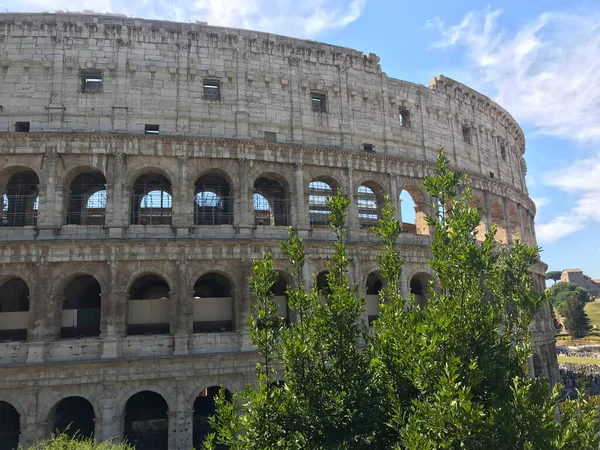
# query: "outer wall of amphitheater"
{"points": [[145, 164]]}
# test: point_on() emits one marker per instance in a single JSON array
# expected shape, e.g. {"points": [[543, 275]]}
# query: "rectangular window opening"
{"points": [[319, 102], [368, 148], [212, 90], [91, 82], [22, 127], [404, 117], [270, 136], [466, 134], [503, 151], [491, 174], [151, 129]]}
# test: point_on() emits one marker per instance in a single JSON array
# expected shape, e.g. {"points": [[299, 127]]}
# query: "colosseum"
{"points": [[145, 164]]}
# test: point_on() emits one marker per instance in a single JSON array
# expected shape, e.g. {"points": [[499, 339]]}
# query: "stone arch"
{"points": [[9, 171], [369, 201], [418, 283], [213, 198], [14, 309], [150, 169], [146, 420], [213, 303], [413, 209], [10, 426], [280, 295], [81, 307], [152, 199], [85, 196], [319, 189], [149, 305], [73, 415], [204, 407], [373, 286], [170, 398], [271, 200], [20, 198]]}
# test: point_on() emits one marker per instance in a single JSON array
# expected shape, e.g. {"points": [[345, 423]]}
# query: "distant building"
{"points": [[580, 279]]}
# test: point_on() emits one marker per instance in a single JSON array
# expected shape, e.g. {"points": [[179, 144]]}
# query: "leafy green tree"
{"points": [[65, 442], [451, 374], [577, 322], [553, 275], [558, 291]]}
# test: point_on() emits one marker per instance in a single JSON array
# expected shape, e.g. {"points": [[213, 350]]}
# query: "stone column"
{"points": [[44, 317], [243, 217], [487, 210], [31, 431], [524, 237], [352, 220], [183, 201], [113, 316], [300, 219], [173, 429], [110, 425], [182, 321], [48, 221], [297, 94], [395, 201], [117, 216], [507, 223]]}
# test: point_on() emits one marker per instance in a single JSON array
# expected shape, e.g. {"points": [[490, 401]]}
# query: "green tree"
{"points": [[571, 308], [558, 291], [451, 374], [64, 442], [553, 275]]}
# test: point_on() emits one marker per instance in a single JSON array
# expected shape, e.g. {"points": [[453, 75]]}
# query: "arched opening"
{"points": [[213, 304], [537, 366], [87, 199], [212, 201], [322, 284], [151, 202], [413, 209], [20, 201], [419, 286], [10, 427], [149, 306], [372, 301], [481, 228], [497, 215], [204, 407], [369, 205], [280, 297], [81, 308], [318, 191], [271, 204], [14, 310], [147, 421], [73, 416]]}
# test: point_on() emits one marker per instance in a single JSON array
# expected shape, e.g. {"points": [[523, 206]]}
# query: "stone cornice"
{"points": [[183, 36], [207, 147]]}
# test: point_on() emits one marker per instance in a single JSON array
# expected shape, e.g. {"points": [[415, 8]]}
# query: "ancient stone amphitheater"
{"points": [[145, 164]]}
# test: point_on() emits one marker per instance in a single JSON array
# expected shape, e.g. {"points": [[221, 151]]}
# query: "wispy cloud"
{"points": [[306, 19], [546, 75]]}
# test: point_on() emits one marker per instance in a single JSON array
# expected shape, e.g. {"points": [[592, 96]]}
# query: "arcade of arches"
{"points": [[153, 202]]}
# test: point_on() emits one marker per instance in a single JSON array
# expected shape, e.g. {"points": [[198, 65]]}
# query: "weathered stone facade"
{"points": [[236, 134]]}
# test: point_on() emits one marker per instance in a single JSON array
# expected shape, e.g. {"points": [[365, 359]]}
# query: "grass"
{"points": [[575, 360], [592, 309]]}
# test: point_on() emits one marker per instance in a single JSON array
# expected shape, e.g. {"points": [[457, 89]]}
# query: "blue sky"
{"points": [[538, 59]]}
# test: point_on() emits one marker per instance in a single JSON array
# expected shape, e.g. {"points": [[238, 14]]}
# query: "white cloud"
{"points": [[306, 19], [546, 75]]}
